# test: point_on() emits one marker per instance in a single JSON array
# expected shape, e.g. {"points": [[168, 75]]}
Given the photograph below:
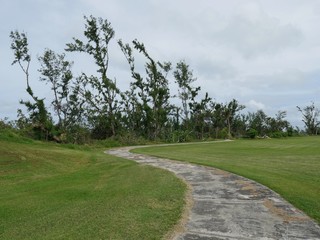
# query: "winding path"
{"points": [[228, 206]]}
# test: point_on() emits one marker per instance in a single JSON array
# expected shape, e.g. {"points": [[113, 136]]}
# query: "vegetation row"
{"points": [[90, 107]]}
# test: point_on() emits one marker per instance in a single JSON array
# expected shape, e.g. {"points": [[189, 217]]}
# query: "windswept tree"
{"points": [[135, 100], [38, 114], [258, 121], [217, 118], [99, 92], [265, 125], [184, 78], [153, 105], [239, 126], [310, 118], [199, 114], [277, 123], [56, 71], [229, 113]]}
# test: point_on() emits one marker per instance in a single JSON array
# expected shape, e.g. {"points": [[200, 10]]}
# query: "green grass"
{"points": [[289, 166], [52, 192]]}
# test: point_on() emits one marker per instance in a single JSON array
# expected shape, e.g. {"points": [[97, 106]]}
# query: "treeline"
{"points": [[93, 107]]}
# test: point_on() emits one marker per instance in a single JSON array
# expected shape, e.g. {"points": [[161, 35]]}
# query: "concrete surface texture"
{"points": [[228, 206]]}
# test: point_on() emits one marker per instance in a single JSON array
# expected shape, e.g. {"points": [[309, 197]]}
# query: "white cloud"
{"points": [[252, 104]]}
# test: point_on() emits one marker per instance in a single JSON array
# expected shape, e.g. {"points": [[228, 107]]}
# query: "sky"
{"points": [[264, 53]]}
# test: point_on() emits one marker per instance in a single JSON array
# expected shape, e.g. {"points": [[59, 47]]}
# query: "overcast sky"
{"points": [[264, 53]]}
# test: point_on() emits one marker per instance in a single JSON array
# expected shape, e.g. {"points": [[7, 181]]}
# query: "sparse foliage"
{"points": [[56, 71], [310, 117], [184, 78], [152, 106], [98, 92], [38, 114]]}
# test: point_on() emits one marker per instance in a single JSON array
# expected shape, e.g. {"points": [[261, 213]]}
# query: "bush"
{"points": [[179, 136], [223, 134], [76, 135], [252, 133]]}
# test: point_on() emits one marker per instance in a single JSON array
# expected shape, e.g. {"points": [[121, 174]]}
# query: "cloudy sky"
{"points": [[264, 53]]}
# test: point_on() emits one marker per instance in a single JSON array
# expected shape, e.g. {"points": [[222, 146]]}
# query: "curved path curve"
{"points": [[228, 206]]}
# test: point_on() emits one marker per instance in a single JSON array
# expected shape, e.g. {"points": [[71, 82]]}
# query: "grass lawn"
{"points": [[289, 166], [52, 192]]}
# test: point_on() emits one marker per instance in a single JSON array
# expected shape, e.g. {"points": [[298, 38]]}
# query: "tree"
{"points": [[152, 105], [217, 119], [57, 71], [310, 115], [184, 78], [257, 121], [99, 92], [200, 114], [136, 99], [39, 116], [239, 125], [277, 124], [229, 113]]}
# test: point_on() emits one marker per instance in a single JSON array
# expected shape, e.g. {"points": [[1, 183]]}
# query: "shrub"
{"points": [[223, 134], [252, 133]]}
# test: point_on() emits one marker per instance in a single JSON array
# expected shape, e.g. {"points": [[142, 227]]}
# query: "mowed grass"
{"points": [[51, 192], [289, 166]]}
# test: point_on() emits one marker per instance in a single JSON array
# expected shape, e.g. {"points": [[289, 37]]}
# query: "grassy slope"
{"points": [[289, 166], [50, 192]]}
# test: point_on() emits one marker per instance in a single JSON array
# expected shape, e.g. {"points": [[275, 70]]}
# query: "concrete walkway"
{"points": [[227, 206]]}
